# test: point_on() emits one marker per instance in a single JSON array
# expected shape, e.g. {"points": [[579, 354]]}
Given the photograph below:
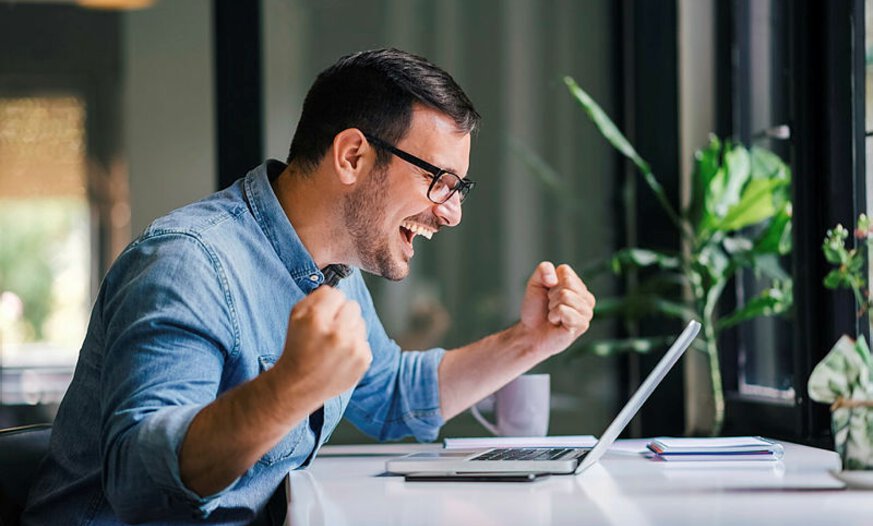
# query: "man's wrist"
{"points": [[523, 342], [291, 394]]}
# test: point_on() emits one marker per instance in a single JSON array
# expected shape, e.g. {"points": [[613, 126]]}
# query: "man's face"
{"points": [[390, 207]]}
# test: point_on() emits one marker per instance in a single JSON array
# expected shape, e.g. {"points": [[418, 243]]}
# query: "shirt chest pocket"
{"points": [[291, 442]]}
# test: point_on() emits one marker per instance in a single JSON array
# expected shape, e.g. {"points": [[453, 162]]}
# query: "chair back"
{"points": [[21, 451]]}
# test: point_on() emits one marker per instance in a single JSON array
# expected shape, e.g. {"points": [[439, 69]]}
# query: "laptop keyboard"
{"points": [[529, 453]]}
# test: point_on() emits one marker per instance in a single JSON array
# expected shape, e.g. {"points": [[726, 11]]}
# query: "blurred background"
{"points": [[115, 112]]}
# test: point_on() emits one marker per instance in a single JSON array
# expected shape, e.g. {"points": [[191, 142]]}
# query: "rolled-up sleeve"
{"points": [[169, 329], [399, 394]]}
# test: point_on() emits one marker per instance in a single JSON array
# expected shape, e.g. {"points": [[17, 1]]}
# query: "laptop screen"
{"points": [[636, 401]]}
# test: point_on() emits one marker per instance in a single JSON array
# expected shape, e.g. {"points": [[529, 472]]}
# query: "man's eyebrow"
{"points": [[449, 169], [440, 167], [453, 172]]}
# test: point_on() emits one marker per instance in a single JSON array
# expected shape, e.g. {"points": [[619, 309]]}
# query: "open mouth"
{"points": [[409, 230]]}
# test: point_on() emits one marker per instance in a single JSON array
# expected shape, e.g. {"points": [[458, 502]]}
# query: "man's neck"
{"points": [[312, 210]]}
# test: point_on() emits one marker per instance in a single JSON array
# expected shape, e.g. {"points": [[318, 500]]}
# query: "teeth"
{"points": [[418, 229]]}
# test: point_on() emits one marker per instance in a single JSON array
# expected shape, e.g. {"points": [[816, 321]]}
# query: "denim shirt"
{"points": [[195, 306]]}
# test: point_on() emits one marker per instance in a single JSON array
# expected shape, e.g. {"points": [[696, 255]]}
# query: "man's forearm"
{"points": [[229, 435], [326, 353], [556, 309], [470, 373]]}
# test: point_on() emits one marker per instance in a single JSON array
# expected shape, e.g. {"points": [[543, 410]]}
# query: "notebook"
{"points": [[556, 460], [715, 449]]}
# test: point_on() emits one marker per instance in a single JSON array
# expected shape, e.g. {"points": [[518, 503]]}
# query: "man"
{"points": [[195, 392]]}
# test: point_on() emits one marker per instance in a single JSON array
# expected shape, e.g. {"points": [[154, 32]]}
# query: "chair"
{"points": [[21, 451]]}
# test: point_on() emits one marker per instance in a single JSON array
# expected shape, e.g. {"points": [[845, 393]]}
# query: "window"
{"points": [[761, 348], [469, 281], [64, 209], [799, 65], [45, 245], [868, 98]]}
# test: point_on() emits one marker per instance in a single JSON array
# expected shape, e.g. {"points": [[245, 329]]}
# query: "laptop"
{"points": [[554, 460]]}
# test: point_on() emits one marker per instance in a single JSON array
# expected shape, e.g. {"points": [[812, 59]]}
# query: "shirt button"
{"points": [[313, 278]]}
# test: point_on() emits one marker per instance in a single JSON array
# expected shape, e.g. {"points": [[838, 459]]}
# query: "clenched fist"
{"points": [[326, 347], [557, 308]]}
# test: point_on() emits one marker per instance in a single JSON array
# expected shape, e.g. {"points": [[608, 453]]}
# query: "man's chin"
{"points": [[394, 270], [396, 273]]}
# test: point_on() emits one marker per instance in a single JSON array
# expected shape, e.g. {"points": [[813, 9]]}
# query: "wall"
{"points": [[169, 135], [697, 121]]}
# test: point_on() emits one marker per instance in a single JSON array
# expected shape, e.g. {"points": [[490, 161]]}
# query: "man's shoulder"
{"points": [[199, 219]]}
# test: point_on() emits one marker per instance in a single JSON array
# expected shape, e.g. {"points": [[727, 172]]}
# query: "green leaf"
{"points": [[856, 262], [864, 224], [768, 303], [768, 165], [737, 244], [835, 279], [640, 258], [777, 236], [634, 258], [707, 161], [737, 173], [714, 261], [755, 205], [770, 265], [834, 245], [610, 347], [834, 255], [638, 305], [612, 134], [607, 128]]}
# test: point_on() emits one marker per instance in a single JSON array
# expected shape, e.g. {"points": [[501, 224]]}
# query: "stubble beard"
{"points": [[364, 214]]}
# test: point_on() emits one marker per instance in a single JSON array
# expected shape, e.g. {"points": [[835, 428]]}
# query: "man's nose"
{"points": [[450, 212]]}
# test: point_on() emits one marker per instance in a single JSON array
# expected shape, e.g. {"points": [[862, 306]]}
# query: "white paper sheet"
{"points": [[549, 441]]}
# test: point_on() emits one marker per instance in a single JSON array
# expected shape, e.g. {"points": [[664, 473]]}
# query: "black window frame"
{"points": [[826, 91]]}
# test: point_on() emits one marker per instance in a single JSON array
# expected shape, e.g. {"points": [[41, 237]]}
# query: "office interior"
{"points": [[113, 115]]}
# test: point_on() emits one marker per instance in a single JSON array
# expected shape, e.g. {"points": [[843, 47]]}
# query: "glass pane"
{"points": [[868, 120], [45, 245], [868, 60], [765, 366]]}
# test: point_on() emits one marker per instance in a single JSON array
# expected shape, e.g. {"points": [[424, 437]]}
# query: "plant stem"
{"points": [[715, 375], [708, 321], [706, 299]]}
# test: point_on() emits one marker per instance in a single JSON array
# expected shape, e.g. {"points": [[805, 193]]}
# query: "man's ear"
{"points": [[352, 155]]}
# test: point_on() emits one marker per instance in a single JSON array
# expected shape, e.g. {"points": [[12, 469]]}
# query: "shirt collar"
{"points": [[277, 227]]}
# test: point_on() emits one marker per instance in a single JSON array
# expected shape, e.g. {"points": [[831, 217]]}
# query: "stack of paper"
{"points": [[720, 448], [549, 441]]}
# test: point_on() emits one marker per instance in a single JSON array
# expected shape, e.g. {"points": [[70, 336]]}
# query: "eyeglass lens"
{"points": [[444, 186]]}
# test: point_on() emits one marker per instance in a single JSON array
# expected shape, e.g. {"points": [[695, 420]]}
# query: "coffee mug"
{"points": [[521, 407]]}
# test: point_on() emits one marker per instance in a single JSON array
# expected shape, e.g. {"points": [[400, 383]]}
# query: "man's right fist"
{"points": [[326, 346]]}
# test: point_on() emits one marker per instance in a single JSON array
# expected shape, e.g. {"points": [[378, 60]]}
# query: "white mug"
{"points": [[521, 407]]}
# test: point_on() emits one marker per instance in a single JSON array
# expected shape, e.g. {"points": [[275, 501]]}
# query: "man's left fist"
{"points": [[557, 307]]}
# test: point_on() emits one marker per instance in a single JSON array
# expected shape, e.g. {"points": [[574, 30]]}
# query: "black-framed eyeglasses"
{"points": [[443, 184]]}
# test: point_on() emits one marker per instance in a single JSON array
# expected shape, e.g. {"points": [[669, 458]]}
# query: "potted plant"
{"points": [[738, 219], [843, 377]]}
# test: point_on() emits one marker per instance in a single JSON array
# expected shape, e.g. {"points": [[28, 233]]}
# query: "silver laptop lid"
{"points": [[638, 399]]}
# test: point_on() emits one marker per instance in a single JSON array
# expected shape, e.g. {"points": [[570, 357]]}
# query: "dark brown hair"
{"points": [[374, 91]]}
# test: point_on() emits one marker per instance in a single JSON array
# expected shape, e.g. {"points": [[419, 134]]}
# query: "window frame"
{"points": [[826, 47]]}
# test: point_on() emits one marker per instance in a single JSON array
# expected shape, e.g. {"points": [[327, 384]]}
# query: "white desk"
{"points": [[341, 489]]}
